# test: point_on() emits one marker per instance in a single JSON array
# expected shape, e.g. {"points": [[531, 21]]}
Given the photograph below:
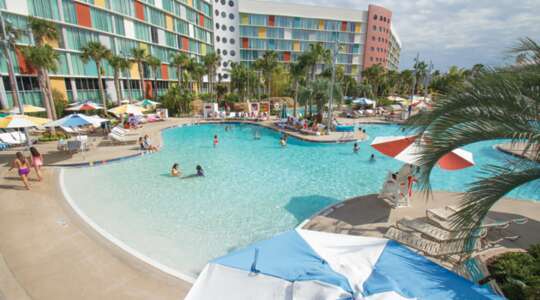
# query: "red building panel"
{"points": [[149, 89], [343, 26], [286, 56], [24, 68], [164, 71], [201, 20], [245, 43], [83, 14], [271, 20], [185, 43], [139, 10]]}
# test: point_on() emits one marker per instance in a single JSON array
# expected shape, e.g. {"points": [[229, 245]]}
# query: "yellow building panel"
{"points": [[321, 25], [354, 70], [144, 46], [52, 43], [190, 3], [100, 3], [134, 71], [245, 20], [358, 27], [60, 85], [262, 32], [296, 46], [169, 22], [203, 49]]}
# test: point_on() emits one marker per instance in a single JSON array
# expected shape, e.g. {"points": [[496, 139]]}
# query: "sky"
{"points": [[455, 32]]}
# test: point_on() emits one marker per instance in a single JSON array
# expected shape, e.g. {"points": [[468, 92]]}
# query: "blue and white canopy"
{"points": [[75, 120], [303, 264]]}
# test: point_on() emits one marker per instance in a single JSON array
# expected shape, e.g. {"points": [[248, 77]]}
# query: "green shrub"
{"points": [[518, 274], [49, 137]]}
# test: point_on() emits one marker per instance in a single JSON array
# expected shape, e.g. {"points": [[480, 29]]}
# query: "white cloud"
{"points": [[455, 32]]}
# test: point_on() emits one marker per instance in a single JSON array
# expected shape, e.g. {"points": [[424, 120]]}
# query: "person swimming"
{"points": [[216, 140], [356, 148], [283, 142], [200, 171], [175, 170], [372, 158], [257, 135]]}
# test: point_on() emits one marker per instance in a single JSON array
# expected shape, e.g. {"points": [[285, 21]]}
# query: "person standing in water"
{"points": [[372, 158], [283, 142], [21, 163], [356, 148], [216, 140], [175, 170], [37, 161], [200, 171]]}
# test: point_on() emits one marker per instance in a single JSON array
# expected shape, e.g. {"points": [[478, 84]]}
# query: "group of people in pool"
{"points": [[176, 172], [25, 164], [356, 149], [146, 145]]}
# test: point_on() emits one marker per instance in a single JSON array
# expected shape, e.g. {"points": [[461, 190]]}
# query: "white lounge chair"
{"points": [[12, 140], [439, 234], [443, 217], [121, 139], [121, 131]]}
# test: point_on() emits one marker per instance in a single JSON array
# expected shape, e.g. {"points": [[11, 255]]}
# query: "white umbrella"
{"points": [[129, 109]]}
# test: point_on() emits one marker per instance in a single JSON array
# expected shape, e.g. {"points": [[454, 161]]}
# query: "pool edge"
{"points": [[115, 241]]}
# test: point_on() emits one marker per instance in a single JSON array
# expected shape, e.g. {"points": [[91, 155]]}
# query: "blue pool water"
{"points": [[253, 189]]}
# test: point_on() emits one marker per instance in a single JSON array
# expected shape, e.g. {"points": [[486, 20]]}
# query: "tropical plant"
{"points": [[10, 35], [176, 100], [319, 92], [211, 62], [180, 61], [316, 55], [43, 31], [498, 104], [375, 77], [43, 59], [298, 72], [518, 273], [196, 71], [139, 56], [267, 64], [96, 52], [119, 64], [60, 102], [239, 79], [154, 63], [221, 90]]}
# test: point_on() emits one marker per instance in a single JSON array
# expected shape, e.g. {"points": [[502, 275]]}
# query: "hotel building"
{"points": [[240, 31], [162, 27]]}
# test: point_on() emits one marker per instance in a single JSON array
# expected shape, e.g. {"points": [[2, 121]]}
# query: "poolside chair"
{"points": [[121, 139], [442, 250], [438, 234], [442, 216], [3, 146], [7, 138], [74, 146], [122, 131]]}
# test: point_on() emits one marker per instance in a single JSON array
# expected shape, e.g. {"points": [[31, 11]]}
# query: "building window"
{"points": [[231, 16], [232, 41], [223, 27], [216, 12], [374, 27], [233, 53], [223, 14], [218, 38], [222, 2], [224, 52], [231, 3], [217, 25], [224, 40], [374, 17], [231, 28]]}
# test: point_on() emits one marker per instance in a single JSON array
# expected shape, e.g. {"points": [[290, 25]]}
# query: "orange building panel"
{"points": [[83, 14]]}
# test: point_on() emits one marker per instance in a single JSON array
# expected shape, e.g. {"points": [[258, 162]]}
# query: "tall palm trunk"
{"points": [[295, 97], [43, 87], [141, 78], [12, 79], [154, 94], [101, 89], [117, 88], [50, 96], [179, 76]]}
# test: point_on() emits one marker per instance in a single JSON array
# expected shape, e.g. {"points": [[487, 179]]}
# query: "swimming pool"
{"points": [[253, 189]]}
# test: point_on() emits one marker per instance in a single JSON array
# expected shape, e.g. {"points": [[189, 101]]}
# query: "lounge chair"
{"points": [[442, 216], [121, 139], [74, 146], [3, 146], [121, 131], [439, 234], [441, 250], [11, 140]]}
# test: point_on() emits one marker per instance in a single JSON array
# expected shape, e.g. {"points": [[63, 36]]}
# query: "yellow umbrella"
{"points": [[127, 109], [27, 109], [22, 121]]}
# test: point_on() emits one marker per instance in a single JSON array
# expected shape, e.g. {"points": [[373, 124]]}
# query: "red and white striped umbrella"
{"points": [[407, 149], [86, 106]]}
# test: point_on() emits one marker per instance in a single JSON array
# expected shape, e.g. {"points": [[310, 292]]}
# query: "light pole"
{"points": [[6, 44], [332, 83]]}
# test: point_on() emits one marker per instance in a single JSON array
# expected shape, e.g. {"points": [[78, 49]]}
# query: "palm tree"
{"points": [[180, 61], [97, 52], [42, 31], [267, 64], [154, 63], [196, 70], [375, 76], [11, 35], [139, 56], [317, 54], [43, 59], [211, 61], [239, 79], [119, 64], [497, 104], [297, 71]]}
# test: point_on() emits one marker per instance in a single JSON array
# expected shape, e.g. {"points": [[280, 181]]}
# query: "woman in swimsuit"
{"points": [[175, 170], [216, 141], [21, 163], [37, 161]]}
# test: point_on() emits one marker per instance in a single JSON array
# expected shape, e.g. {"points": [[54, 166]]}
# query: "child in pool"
{"points": [[216, 141], [175, 170], [200, 171]]}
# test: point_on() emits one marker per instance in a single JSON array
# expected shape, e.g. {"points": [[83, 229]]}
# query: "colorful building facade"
{"points": [[161, 27]]}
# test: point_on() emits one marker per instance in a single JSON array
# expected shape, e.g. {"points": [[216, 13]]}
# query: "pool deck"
{"points": [[48, 252], [517, 149]]}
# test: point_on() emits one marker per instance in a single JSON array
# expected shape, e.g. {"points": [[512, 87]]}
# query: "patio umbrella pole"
{"points": [[12, 70]]}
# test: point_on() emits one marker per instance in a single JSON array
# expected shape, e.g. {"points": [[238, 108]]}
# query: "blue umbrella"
{"points": [[304, 264], [74, 120]]}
